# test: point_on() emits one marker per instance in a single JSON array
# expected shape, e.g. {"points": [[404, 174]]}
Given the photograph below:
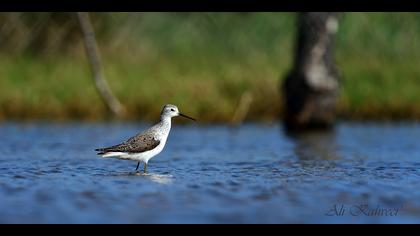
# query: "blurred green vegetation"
{"points": [[202, 62]]}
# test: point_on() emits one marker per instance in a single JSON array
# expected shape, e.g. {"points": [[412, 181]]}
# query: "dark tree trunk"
{"points": [[311, 89]]}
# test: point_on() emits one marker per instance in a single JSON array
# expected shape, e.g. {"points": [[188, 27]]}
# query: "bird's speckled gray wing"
{"points": [[137, 144]]}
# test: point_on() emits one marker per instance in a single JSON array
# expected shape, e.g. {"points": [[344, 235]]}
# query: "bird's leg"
{"points": [[145, 167], [138, 163]]}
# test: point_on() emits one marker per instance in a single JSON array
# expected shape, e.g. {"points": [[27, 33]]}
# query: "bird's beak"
{"points": [[186, 116]]}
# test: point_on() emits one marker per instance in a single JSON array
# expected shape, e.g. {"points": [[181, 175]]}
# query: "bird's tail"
{"points": [[104, 152], [101, 151]]}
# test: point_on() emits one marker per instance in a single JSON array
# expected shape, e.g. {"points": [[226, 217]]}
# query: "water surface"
{"points": [[361, 173]]}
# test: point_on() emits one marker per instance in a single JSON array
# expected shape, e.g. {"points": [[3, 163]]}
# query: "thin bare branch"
{"points": [[93, 55]]}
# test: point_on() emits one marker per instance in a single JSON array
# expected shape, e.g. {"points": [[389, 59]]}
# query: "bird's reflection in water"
{"points": [[158, 178], [315, 145], [161, 179]]}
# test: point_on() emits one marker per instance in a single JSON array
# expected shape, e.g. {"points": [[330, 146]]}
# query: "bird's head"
{"points": [[170, 110]]}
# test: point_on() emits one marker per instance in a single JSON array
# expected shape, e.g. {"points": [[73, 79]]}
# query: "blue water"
{"points": [[360, 173]]}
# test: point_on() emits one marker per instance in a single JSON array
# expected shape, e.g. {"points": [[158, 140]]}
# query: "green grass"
{"points": [[204, 63]]}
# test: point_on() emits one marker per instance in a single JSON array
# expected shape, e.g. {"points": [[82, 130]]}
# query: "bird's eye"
{"points": [[172, 110]]}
